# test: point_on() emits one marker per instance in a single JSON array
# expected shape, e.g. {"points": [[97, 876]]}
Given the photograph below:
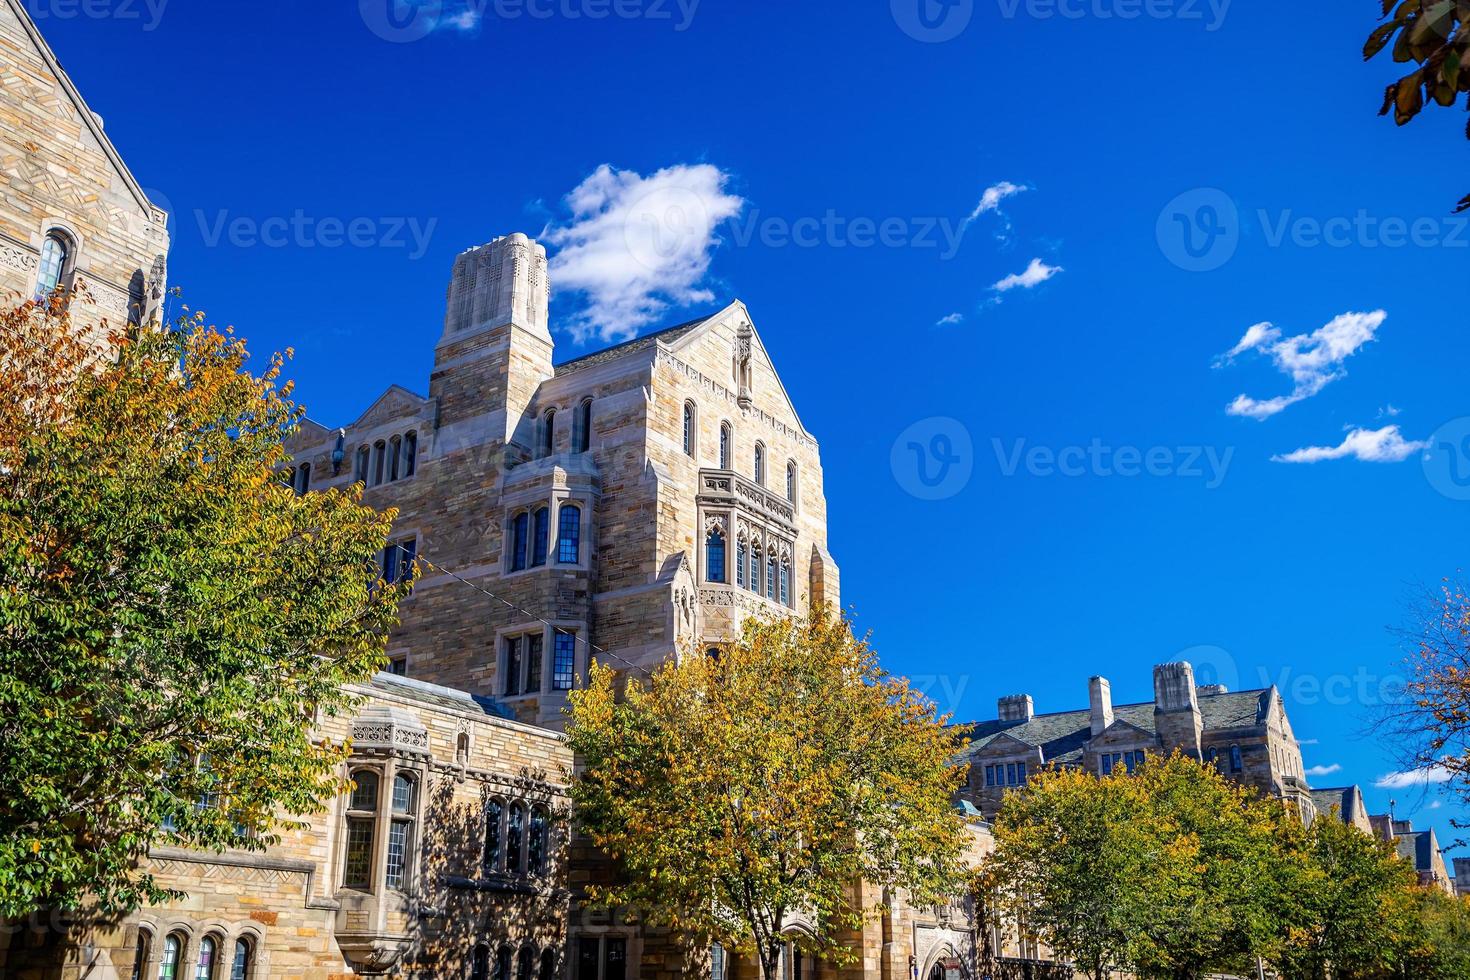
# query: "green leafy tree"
{"points": [[171, 615], [738, 790], [1433, 937], [1434, 37]]}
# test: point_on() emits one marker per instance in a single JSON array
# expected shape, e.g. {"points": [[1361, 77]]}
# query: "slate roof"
{"points": [[1341, 797], [440, 697], [1062, 735], [666, 336], [1417, 846]]}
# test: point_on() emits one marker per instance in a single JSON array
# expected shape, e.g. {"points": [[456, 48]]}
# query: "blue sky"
{"points": [[1090, 492]]}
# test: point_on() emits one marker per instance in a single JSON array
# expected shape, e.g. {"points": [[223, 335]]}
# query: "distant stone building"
{"points": [[1462, 877], [71, 214], [1419, 847], [1246, 734]]}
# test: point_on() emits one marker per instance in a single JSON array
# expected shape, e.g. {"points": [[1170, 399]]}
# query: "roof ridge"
{"points": [[603, 351]]}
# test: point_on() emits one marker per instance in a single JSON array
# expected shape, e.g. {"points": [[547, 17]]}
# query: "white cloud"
{"points": [[1389, 412], [1436, 805], [1432, 775], [1036, 273], [1385, 445], [465, 21], [1312, 361], [994, 194], [1324, 770], [636, 246], [951, 320]]}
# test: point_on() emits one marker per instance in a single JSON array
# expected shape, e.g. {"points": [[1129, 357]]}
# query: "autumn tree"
{"points": [[737, 790], [1433, 36], [171, 615]]}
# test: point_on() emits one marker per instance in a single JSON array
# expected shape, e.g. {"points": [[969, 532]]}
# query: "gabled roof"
{"points": [[665, 336], [89, 119], [1344, 798], [1417, 846], [1063, 735]]}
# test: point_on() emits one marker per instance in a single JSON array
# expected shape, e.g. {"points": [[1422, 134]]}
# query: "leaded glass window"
{"points": [[569, 535], [563, 661]]}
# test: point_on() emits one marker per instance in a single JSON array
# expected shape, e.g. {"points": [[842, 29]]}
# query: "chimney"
{"points": [[1016, 707], [1100, 697], [1176, 709]]}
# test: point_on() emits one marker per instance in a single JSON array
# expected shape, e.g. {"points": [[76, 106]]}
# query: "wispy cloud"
{"points": [[1036, 273], [1312, 361], [951, 320], [1431, 776], [1389, 412], [990, 201], [1324, 770], [1385, 445], [635, 246]]}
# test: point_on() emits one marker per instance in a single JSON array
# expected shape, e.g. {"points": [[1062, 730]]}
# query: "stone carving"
{"points": [[157, 279], [18, 258], [744, 348]]}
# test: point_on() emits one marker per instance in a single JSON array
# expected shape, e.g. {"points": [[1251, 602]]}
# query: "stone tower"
{"points": [[1176, 709]]}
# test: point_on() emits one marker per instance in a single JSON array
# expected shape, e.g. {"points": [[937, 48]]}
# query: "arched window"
{"points": [[55, 253], [204, 967], [494, 815], [360, 471], [760, 463], [569, 535], [520, 525], [168, 964], [362, 820], [480, 963], [771, 574], [526, 964], [548, 965], [755, 566], [303, 478], [515, 833], [240, 965], [395, 452], [141, 952], [400, 833], [536, 848], [724, 445], [410, 454], [503, 959], [1237, 762], [584, 426], [791, 480], [785, 580], [548, 432], [380, 449], [690, 421], [740, 549], [462, 748], [714, 556], [540, 536]]}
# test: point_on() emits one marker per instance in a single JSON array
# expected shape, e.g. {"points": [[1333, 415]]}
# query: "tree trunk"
{"points": [[771, 961]]}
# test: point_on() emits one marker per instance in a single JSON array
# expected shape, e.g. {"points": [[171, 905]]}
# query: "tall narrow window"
{"points": [[615, 958], [791, 481], [380, 449], [534, 643], [548, 965], [588, 952], [689, 432], [400, 833], [1237, 762], [526, 964], [360, 471], [168, 964], [760, 464], [563, 660], [548, 432], [410, 454], [240, 965], [512, 666], [54, 253], [519, 527], [395, 454], [540, 837], [503, 957], [398, 560], [740, 549], [204, 967], [771, 575], [540, 535], [584, 426], [140, 953], [515, 833], [724, 445], [785, 581], [494, 816], [755, 566], [717, 962], [569, 535], [714, 556], [362, 808], [480, 964], [303, 479]]}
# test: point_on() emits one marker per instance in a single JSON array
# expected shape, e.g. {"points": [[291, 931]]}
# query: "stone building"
{"points": [[1246, 734], [1419, 847], [1462, 877], [71, 214]]}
